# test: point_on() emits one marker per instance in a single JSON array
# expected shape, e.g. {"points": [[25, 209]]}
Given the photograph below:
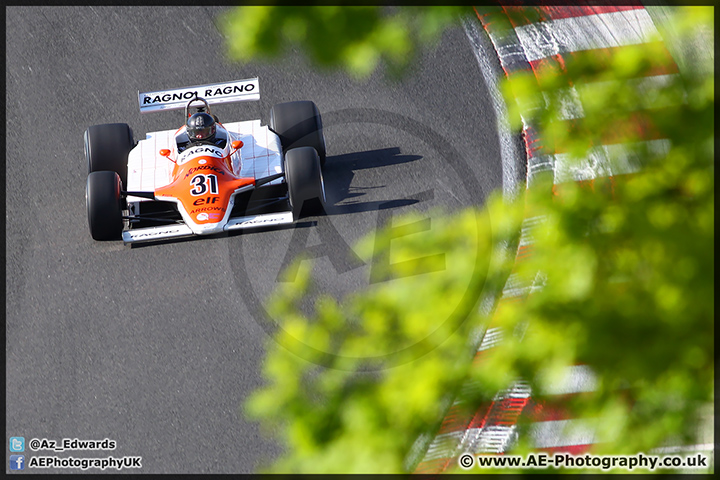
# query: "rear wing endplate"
{"points": [[230, 92]]}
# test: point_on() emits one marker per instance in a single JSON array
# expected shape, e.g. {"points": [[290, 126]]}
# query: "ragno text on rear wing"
{"points": [[218, 93]]}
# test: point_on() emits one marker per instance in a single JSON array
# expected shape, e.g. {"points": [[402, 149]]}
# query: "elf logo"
{"points": [[206, 201]]}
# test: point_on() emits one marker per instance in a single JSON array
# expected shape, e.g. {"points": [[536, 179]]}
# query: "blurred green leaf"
{"points": [[622, 268], [357, 39]]}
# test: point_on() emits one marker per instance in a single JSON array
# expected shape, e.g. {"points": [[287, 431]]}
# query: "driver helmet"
{"points": [[200, 126]]}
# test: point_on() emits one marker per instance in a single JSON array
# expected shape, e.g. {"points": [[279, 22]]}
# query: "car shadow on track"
{"points": [[339, 171]]}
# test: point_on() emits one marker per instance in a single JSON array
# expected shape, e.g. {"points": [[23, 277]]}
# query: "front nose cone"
{"points": [[206, 228]]}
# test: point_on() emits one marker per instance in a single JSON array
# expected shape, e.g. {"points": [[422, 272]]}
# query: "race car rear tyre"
{"points": [[104, 205], [305, 182], [298, 124], [107, 147]]}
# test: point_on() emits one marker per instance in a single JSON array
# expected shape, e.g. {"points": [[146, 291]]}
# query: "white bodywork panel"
{"points": [[260, 156]]}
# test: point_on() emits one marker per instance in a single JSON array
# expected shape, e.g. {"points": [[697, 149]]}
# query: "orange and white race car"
{"points": [[205, 177]]}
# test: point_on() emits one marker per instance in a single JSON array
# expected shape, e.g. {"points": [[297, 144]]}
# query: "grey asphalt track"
{"points": [[157, 347]]}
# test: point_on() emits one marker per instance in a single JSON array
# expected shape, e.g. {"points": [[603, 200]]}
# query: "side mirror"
{"points": [[166, 153], [237, 144]]}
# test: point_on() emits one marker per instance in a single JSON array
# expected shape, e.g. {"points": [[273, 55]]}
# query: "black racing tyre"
{"points": [[107, 147], [305, 182], [298, 124], [104, 205]]}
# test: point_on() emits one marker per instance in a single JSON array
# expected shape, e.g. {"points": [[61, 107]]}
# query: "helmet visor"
{"points": [[201, 133]]}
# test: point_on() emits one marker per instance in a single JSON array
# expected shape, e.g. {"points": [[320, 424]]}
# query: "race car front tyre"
{"points": [[107, 147], [305, 181], [104, 205], [298, 124]]}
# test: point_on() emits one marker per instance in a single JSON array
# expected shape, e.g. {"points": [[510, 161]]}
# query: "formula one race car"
{"points": [[205, 177]]}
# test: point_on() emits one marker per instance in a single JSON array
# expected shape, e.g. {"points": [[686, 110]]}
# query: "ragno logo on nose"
{"points": [[252, 274]]}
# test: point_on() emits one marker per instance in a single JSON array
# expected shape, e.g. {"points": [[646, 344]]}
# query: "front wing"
{"points": [[180, 230]]}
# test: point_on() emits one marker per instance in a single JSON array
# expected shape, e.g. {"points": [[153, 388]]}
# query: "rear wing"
{"points": [[231, 92]]}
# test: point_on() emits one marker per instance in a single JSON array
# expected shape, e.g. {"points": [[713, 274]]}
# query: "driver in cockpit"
{"points": [[201, 129]]}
